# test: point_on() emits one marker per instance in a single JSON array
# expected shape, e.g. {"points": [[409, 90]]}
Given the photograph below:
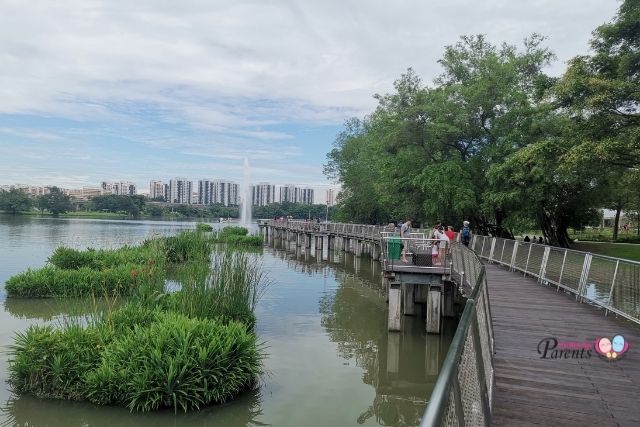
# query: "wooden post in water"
{"points": [[395, 306], [449, 296], [409, 300], [434, 309], [393, 352]]}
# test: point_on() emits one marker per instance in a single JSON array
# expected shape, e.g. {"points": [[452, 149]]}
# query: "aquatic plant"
{"points": [[228, 288], [49, 282], [237, 236], [201, 226], [141, 358]]}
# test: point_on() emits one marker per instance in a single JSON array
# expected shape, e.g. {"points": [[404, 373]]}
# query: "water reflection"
{"points": [[331, 360], [28, 411], [402, 367]]}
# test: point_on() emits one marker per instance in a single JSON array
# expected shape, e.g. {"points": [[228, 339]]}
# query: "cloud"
{"points": [[226, 79]]}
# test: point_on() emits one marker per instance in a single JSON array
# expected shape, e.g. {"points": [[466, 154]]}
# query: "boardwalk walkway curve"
{"points": [[521, 295]]}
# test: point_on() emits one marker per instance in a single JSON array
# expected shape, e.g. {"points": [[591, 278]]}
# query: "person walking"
{"points": [[450, 233], [405, 233], [465, 237]]}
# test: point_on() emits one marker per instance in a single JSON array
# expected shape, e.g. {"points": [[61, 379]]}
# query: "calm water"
{"points": [[330, 362]]}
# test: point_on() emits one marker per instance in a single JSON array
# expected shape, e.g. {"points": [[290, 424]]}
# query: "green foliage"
{"points": [[143, 359], [187, 246], [201, 226], [238, 236], [182, 350], [296, 210], [132, 205], [239, 231], [55, 202], [229, 290], [14, 201], [49, 282]]}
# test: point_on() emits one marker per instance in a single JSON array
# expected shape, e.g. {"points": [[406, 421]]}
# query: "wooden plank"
{"points": [[530, 390]]}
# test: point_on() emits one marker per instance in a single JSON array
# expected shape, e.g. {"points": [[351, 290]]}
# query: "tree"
{"points": [[14, 201], [602, 93], [55, 202], [425, 151], [132, 205]]}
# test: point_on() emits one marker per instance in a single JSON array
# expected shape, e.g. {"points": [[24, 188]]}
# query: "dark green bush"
{"points": [[56, 282], [201, 226], [140, 358], [176, 362], [187, 246], [240, 231]]}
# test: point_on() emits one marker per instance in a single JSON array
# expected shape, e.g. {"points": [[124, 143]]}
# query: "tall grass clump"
{"points": [[51, 282], [141, 358], [229, 290], [187, 246], [237, 236], [201, 226]]}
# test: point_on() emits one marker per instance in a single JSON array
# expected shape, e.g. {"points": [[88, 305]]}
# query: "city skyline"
{"points": [[98, 89]]}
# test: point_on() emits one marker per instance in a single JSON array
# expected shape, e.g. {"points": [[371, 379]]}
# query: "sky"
{"points": [[115, 90]]}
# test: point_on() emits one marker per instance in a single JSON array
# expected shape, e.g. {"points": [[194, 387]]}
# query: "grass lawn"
{"points": [[618, 250]]}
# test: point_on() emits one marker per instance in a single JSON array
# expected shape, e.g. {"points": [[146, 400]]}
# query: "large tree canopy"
{"points": [[496, 141]]}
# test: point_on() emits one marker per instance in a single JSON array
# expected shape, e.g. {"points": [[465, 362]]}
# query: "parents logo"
{"points": [[607, 349], [611, 349]]}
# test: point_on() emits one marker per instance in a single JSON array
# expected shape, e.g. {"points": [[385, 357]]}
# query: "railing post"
{"points": [[543, 265], [526, 267], [504, 243], [493, 247], [564, 259], [512, 265], [613, 282], [584, 277]]}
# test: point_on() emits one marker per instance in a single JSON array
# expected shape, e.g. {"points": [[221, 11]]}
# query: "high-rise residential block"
{"points": [[331, 197], [120, 188], [306, 196], [289, 194], [157, 189], [217, 192], [180, 190], [263, 194]]}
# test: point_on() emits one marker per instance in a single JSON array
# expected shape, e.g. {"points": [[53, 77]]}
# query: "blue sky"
{"points": [[94, 90]]}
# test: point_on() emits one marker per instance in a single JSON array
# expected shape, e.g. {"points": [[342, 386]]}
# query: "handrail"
{"points": [[463, 391], [608, 282], [454, 401]]}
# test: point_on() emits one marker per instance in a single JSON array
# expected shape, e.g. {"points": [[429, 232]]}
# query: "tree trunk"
{"points": [[616, 222]]}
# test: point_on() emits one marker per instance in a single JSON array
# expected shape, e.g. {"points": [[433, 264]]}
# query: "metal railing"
{"points": [[417, 251], [611, 283], [463, 392]]}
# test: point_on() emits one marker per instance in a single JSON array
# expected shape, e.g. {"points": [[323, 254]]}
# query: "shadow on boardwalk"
{"points": [[557, 392]]}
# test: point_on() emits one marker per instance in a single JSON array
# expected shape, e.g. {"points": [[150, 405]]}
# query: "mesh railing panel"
{"points": [[572, 272], [521, 255], [554, 265], [626, 291], [450, 419], [599, 281], [470, 385], [535, 260], [485, 340]]}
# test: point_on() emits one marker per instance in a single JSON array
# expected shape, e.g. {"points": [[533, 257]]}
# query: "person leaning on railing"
{"points": [[405, 233]]}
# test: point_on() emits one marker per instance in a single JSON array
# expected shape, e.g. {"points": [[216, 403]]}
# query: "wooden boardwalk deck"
{"points": [[530, 391]]}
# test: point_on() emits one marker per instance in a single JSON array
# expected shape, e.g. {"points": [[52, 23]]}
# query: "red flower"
{"points": [[134, 273]]}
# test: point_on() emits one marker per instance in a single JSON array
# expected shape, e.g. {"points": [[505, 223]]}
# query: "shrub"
{"points": [[56, 282], [167, 360], [240, 231], [176, 362], [68, 258], [187, 246], [201, 226]]}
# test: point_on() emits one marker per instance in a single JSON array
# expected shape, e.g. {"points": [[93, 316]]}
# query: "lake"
{"points": [[331, 361]]}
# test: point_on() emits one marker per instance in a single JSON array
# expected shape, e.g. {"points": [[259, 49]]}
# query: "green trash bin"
{"points": [[394, 248]]}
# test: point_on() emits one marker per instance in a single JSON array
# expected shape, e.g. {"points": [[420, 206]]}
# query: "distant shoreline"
{"points": [[110, 215]]}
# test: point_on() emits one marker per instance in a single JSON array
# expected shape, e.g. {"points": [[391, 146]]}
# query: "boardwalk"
{"points": [[568, 392]]}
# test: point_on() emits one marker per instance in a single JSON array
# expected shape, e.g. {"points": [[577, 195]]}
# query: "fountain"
{"points": [[246, 198]]}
